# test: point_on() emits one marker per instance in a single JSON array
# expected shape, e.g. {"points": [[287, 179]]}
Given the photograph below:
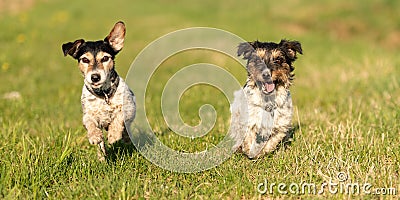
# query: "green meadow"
{"points": [[346, 95]]}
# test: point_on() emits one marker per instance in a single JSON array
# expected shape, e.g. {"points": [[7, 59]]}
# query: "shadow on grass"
{"points": [[121, 149], [287, 141], [142, 140]]}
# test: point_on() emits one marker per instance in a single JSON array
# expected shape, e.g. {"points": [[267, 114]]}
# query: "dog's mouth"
{"points": [[267, 87], [96, 85]]}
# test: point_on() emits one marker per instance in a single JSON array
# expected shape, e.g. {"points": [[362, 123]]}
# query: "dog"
{"points": [[262, 111], [107, 102]]}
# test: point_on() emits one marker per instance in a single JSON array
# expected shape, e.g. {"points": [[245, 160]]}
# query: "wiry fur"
{"points": [[107, 102], [262, 111]]}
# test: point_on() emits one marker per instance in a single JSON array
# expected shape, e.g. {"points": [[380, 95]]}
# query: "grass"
{"points": [[346, 98]]}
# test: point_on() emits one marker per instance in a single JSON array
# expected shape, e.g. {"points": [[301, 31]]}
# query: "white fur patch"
{"points": [[259, 122]]}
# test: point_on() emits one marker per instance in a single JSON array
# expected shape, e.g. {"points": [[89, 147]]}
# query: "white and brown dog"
{"points": [[107, 101], [262, 112]]}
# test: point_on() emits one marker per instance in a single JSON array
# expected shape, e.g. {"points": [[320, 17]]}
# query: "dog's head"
{"points": [[270, 64], [96, 58]]}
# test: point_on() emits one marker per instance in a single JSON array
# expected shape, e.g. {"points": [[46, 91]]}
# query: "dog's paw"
{"points": [[95, 138], [112, 138]]}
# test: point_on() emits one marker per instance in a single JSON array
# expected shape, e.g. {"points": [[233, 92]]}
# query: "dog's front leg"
{"points": [[116, 129], [101, 151], [275, 140], [95, 136]]}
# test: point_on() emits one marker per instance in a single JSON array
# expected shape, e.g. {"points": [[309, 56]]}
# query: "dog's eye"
{"points": [[278, 61], [105, 59], [85, 60]]}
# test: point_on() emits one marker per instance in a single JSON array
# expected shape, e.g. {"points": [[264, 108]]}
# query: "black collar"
{"points": [[108, 89]]}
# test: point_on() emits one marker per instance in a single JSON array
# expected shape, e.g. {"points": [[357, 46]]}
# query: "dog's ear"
{"points": [[116, 37], [245, 49], [291, 48], [71, 48]]}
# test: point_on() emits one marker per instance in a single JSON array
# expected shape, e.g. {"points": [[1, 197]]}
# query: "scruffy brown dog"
{"points": [[262, 112]]}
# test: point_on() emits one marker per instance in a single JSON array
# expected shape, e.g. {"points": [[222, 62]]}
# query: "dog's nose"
{"points": [[95, 78], [266, 76]]}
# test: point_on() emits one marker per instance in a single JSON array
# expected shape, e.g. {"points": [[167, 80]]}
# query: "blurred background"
{"points": [[346, 44]]}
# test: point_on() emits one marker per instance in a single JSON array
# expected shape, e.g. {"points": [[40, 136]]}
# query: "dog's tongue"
{"points": [[269, 87]]}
